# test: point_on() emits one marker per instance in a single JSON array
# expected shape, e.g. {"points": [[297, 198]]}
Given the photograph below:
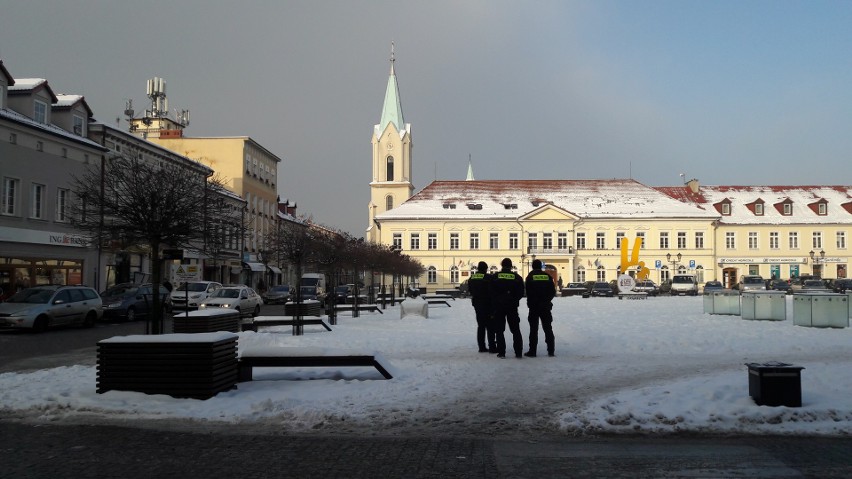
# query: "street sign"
{"points": [[692, 264]]}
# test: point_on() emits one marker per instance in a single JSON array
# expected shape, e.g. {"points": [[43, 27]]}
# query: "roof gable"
{"points": [[548, 212]]}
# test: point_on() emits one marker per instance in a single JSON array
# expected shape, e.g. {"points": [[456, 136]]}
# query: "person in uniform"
{"points": [[479, 286], [507, 289], [540, 294]]}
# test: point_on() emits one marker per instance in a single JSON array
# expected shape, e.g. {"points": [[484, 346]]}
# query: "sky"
{"points": [[656, 366], [728, 92]]}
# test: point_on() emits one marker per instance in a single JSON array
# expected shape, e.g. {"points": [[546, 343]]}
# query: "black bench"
{"points": [[280, 357], [439, 301], [281, 321], [361, 307]]}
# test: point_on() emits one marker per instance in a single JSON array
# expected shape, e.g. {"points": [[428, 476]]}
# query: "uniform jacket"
{"points": [[540, 289], [507, 288], [479, 286]]}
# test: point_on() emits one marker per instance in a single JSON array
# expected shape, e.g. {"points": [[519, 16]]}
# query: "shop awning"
{"points": [[275, 269], [255, 267]]}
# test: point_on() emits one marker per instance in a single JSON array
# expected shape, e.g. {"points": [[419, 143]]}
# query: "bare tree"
{"points": [[152, 205]]}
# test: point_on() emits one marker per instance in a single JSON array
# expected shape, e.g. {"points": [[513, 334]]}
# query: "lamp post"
{"points": [[674, 262], [817, 270]]}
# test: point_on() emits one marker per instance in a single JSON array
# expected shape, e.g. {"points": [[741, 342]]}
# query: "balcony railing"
{"points": [[551, 251]]}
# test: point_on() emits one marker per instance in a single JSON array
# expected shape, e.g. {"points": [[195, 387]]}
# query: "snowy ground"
{"points": [[653, 366]]}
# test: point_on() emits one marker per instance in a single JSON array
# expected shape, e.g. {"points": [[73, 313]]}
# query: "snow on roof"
{"points": [[27, 84], [67, 100], [53, 129], [511, 199], [742, 199]]}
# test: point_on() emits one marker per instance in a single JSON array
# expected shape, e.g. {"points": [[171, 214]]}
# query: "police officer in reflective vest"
{"points": [[540, 294], [507, 289], [479, 286]]}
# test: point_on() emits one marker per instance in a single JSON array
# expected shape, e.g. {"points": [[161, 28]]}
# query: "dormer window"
{"points": [[788, 209], [823, 209], [474, 206], [726, 209], [758, 209], [40, 112], [510, 206]]}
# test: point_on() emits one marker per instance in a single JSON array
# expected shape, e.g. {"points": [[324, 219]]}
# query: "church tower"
{"points": [[391, 182]]}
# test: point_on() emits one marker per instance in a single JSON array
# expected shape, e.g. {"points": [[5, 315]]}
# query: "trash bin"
{"points": [[775, 384], [726, 301], [821, 310], [771, 305]]}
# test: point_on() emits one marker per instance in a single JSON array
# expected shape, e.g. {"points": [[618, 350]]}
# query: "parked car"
{"points": [[277, 294], [666, 287], [601, 288], [796, 282], [711, 286], [813, 286], [646, 286], [309, 293], [342, 293], [684, 284], [778, 285], [843, 285], [42, 307], [574, 289], [197, 291], [130, 301], [240, 298], [752, 282]]}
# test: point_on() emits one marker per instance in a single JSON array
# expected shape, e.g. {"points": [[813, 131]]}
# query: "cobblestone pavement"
{"points": [[30, 450]]}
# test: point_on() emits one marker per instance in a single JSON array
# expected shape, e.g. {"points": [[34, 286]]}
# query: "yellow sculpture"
{"points": [[634, 259]]}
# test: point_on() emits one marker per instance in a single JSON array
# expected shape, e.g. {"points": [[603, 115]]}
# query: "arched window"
{"points": [[432, 275], [493, 269], [664, 274], [388, 202], [699, 274], [389, 169], [454, 274], [581, 274], [601, 273]]}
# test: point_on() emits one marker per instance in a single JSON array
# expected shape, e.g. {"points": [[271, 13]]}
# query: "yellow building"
{"points": [[776, 231], [577, 226]]}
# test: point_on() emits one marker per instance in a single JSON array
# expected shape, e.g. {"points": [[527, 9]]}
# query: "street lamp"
{"points": [[675, 261], [815, 261]]}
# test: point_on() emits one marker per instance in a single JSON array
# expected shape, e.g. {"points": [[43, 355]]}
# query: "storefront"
{"points": [[32, 257], [769, 267]]}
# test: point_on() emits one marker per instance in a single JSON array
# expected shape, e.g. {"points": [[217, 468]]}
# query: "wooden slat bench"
{"points": [[193, 365], [284, 357], [282, 321], [361, 307], [438, 299]]}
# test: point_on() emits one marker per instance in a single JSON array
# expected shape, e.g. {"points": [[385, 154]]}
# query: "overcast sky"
{"points": [[729, 92]]}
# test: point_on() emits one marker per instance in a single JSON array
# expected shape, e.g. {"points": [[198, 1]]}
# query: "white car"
{"points": [[191, 294], [240, 298]]}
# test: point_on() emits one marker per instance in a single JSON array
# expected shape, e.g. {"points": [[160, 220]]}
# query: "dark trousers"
{"points": [[542, 312], [502, 317], [484, 329]]}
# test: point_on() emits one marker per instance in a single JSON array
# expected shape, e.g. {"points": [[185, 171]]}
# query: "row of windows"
{"points": [[786, 209], [10, 205], [579, 273], [455, 241], [792, 240], [581, 243]]}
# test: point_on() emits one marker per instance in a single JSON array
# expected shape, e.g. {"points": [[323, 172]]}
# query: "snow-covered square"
{"points": [[655, 366]]}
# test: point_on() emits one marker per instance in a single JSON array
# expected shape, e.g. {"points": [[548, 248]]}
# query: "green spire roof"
{"points": [[392, 109]]}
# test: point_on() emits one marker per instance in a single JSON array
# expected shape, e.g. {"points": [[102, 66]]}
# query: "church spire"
{"points": [[469, 169], [392, 109]]}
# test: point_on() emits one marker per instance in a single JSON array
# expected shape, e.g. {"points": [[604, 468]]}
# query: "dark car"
{"points": [[602, 289], [797, 282], [843, 285], [712, 286], [277, 294], [813, 286], [778, 285], [574, 289], [646, 286], [131, 301]]}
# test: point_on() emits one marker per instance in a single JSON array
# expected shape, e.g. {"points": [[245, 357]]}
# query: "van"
{"points": [[315, 280], [684, 284]]}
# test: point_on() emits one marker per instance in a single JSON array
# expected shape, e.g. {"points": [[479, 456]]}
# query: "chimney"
{"points": [[693, 185]]}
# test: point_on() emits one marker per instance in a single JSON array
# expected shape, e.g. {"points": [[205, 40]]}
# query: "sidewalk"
{"points": [[55, 451]]}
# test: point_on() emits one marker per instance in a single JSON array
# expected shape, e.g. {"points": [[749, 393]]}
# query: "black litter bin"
{"points": [[775, 384]]}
